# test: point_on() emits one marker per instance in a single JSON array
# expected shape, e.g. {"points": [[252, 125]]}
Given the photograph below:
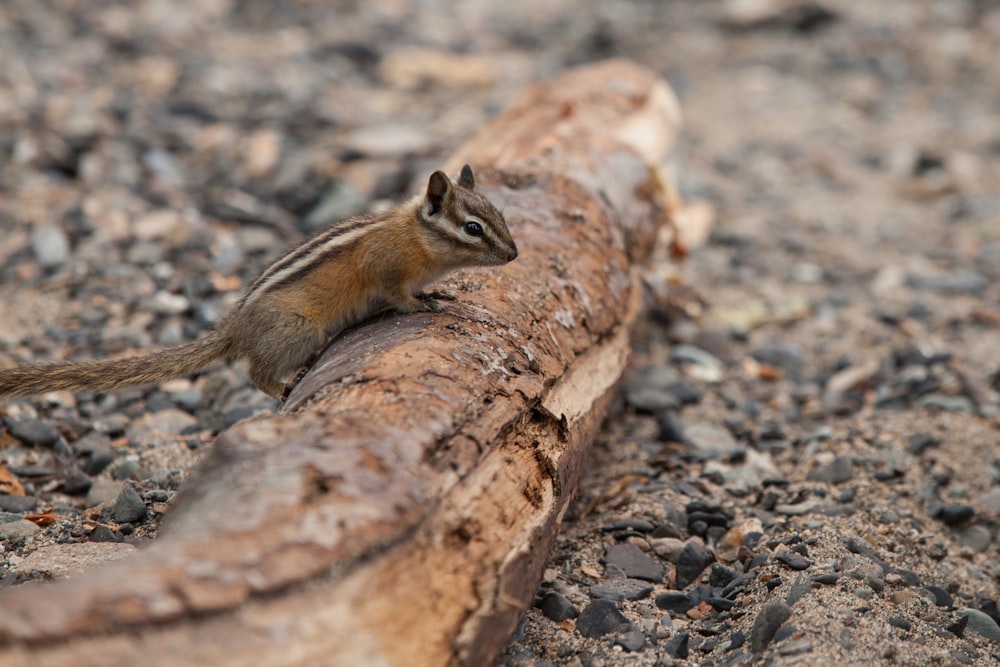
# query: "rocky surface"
{"points": [[804, 468]]}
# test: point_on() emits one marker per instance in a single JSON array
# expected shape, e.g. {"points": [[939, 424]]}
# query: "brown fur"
{"points": [[354, 270]]}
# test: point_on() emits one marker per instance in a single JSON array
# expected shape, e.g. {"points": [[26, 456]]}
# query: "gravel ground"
{"points": [[804, 466]]}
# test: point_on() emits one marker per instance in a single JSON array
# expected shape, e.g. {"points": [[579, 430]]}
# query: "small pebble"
{"points": [[705, 366], [17, 503], [618, 590], [693, 560], [557, 607], [686, 393], [76, 483], [16, 530], [946, 403], [864, 592], [671, 428], [981, 623], [675, 602], [710, 440], [789, 357], [634, 562], [105, 534], [838, 471], [794, 561], [126, 469], [33, 431], [129, 506], [900, 622], [599, 618], [919, 442], [720, 575], [953, 515], [770, 618], [50, 245], [677, 647], [941, 597], [631, 641], [976, 538], [640, 525]]}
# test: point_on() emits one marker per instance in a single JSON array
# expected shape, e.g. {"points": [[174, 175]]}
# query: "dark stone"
{"points": [[960, 657], [236, 414], [677, 647], [640, 525], [907, 577], [666, 530], [557, 607], [675, 602], [783, 633], [631, 641], [129, 506], [737, 640], [33, 431], [737, 585], [958, 627], [700, 593], [794, 561], [75, 483], [921, 441], [105, 534], [686, 393], [953, 515], [789, 357], [941, 597], [721, 604], [634, 562], [900, 622], [17, 503], [671, 428], [826, 578], [981, 623], [889, 517], [693, 560], [797, 590], [708, 518], [720, 575], [646, 390], [770, 618], [773, 583], [840, 470], [618, 590], [98, 460], [599, 618]]}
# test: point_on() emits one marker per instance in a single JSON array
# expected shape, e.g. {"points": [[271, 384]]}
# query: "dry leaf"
{"points": [[46, 518], [9, 484]]}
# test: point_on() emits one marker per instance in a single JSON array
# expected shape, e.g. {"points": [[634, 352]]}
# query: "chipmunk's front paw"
{"points": [[438, 294], [429, 302], [291, 384]]}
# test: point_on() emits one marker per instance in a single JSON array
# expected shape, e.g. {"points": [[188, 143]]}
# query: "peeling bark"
{"points": [[401, 509]]}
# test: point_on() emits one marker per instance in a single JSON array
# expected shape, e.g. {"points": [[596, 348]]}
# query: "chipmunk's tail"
{"points": [[111, 374]]}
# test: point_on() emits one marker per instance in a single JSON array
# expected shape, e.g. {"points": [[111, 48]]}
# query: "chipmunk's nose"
{"points": [[512, 255]]}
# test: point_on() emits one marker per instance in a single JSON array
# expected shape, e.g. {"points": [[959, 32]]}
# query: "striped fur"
{"points": [[341, 276]]}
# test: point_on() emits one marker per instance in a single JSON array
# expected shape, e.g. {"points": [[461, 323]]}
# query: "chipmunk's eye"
{"points": [[473, 228]]}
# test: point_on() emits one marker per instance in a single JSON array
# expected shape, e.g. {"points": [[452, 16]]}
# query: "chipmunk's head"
{"points": [[465, 227]]}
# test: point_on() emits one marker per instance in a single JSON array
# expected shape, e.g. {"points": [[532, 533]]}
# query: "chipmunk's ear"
{"points": [[466, 179], [438, 190]]}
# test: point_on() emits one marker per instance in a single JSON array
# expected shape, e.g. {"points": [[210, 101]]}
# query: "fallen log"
{"points": [[401, 509]]}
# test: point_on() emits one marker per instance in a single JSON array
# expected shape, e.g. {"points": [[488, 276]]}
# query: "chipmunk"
{"points": [[357, 268]]}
